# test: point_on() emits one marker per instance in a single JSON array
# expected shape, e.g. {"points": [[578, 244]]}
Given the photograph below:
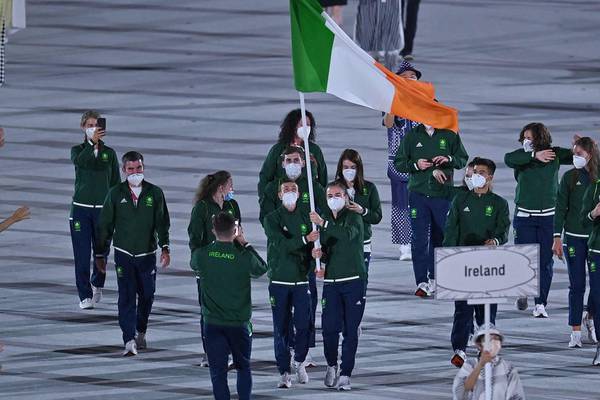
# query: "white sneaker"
{"points": [[330, 376], [596, 360], [130, 349], [140, 341], [301, 374], [405, 252], [204, 361], [96, 294], [458, 359], [588, 323], [86, 304], [521, 303], [309, 362], [285, 382], [432, 286], [540, 311], [344, 383], [423, 290], [575, 340]]}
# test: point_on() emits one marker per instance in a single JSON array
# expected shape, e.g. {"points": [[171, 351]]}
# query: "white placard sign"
{"points": [[486, 272]]}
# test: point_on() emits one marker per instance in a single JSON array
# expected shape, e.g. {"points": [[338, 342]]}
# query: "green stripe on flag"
{"points": [[312, 42]]}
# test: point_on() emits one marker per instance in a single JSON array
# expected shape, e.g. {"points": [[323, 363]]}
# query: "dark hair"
{"points": [[89, 114], [291, 149], [132, 156], [541, 135], [591, 147], [486, 162], [289, 125], [339, 183], [284, 181], [223, 223], [353, 156], [210, 183]]}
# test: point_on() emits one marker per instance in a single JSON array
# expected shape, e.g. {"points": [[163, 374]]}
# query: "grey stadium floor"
{"points": [[198, 86]]}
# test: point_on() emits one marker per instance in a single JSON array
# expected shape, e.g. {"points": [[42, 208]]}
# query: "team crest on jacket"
{"points": [[303, 229], [489, 210], [104, 156], [149, 201], [305, 198], [443, 144]]}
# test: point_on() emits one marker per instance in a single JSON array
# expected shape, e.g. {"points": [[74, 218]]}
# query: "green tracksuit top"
{"points": [[368, 198], [537, 182], [590, 199], [475, 218], [225, 270], [270, 199], [200, 227], [342, 241], [136, 229], [288, 253], [569, 203], [272, 169], [417, 144], [94, 175]]}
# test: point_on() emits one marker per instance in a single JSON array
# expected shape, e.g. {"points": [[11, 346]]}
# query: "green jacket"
{"points": [[136, 229], [590, 199], [200, 227], [270, 199], [271, 168], [342, 242], [537, 182], [368, 198], [288, 254], [473, 219], [94, 175], [417, 144], [569, 203], [225, 270]]}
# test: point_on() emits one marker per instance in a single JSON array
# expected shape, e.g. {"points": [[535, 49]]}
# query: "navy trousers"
{"points": [[343, 306], [428, 220], [290, 303], [136, 278], [594, 274], [83, 224], [538, 230], [220, 342], [576, 252], [201, 317], [462, 326]]}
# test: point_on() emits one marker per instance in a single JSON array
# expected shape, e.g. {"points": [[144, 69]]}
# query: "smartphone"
{"points": [[101, 122]]}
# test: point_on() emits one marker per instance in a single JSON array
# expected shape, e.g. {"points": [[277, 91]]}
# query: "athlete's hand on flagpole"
{"points": [[316, 219]]}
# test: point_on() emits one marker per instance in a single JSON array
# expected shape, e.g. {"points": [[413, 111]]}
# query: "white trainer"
{"points": [[405, 252], [432, 286], [301, 374], [344, 383], [596, 360], [330, 376], [575, 341], [140, 341], [96, 294], [540, 311], [130, 349], [423, 290], [285, 382], [204, 361], [588, 323], [86, 304], [308, 361]]}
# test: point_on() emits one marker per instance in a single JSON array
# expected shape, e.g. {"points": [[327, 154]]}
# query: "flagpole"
{"points": [[305, 135]]}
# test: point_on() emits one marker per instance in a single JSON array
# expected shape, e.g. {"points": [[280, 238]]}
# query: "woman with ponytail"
{"points": [[214, 194], [574, 242]]}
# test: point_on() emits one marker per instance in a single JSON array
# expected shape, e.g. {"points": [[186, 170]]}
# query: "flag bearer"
{"points": [[569, 201], [225, 267], [476, 218], [423, 150], [289, 259], [343, 301], [135, 212], [96, 171]]}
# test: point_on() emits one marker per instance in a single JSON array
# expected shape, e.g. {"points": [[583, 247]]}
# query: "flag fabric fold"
{"points": [[325, 59]]}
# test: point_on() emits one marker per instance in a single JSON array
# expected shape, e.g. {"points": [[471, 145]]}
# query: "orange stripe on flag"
{"points": [[414, 100]]}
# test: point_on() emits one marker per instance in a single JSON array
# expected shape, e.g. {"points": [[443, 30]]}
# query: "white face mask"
{"points": [[293, 170], [469, 182], [495, 346], [349, 174], [351, 192], [429, 129], [300, 129], [89, 132], [336, 203], [579, 162], [289, 199], [478, 181], [527, 145], [135, 179]]}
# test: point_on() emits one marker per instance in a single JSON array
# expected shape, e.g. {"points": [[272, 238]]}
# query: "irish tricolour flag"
{"points": [[326, 60]]}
